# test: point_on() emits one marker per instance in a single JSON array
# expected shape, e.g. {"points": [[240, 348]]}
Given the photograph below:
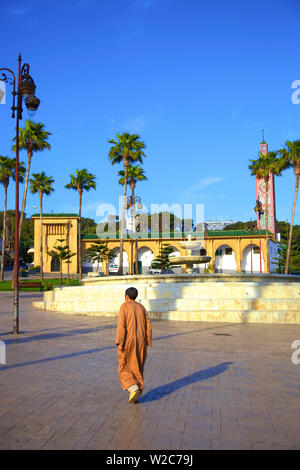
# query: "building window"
{"points": [[228, 251], [219, 252], [256, 250]]}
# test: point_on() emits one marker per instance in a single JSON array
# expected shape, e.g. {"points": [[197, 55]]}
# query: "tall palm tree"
{"points": [[127, 149], [32, 138], [261, 168], [135, 173], [81, 181], [291, 158], [7, 171], [42, 184]]}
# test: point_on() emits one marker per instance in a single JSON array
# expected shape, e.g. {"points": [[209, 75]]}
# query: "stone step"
{"points": [[264, 300], [195, 291], [233, 316], [181, 305]]}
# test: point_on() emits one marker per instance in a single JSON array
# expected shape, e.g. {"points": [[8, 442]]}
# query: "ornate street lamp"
{"points": [[23, 88], [134, 202], [259, 210]]}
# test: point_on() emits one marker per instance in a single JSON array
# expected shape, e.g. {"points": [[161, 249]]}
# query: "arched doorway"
{"points": [[55, 265], [252, 261], [145, 257], [114, 263], [225, 261]]}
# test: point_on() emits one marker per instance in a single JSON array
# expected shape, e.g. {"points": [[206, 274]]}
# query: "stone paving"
{"points": [[207, 385]]}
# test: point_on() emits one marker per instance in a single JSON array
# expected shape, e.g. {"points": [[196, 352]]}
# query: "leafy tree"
{"points": [[126, 149], [162, 261], [165, 222], [280, 260], [291, 158], [81, 181], [27, 240], [41, 184], [61, 252], [32, 138], [88, 226], [110, 228], [261, 168], [7, 171]]}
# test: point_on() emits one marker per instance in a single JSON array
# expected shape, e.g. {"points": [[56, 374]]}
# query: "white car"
{"points": [[113, 268]]}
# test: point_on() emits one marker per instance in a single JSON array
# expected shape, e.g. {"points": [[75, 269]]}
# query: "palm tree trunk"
{"points": [[267, 227], [41, 234], [79, 236], [297, 173], [4, 234], [121, 234], [29, 155], [135, 235]]}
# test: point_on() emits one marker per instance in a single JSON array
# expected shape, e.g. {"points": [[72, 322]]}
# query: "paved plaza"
{"points": [[207, 385]]}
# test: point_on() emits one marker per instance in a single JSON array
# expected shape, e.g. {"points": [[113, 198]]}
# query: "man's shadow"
{"points": [[167, 389]]}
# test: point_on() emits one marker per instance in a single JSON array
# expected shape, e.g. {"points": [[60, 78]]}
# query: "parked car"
{"points": [[113, 268], [154, 271]]}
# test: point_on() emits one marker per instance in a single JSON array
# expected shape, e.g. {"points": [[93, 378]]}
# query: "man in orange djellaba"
{"points": [[134, 335]]}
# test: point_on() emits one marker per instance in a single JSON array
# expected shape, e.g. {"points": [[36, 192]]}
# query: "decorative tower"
{"points": [[261, 196]]}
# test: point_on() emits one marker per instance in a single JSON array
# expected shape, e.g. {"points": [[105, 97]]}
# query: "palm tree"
{"points": [[135, 173], [40, 183], [127, 149], [261, 168], [81, 181], [32, 138], [7, 170], [291, 158]]}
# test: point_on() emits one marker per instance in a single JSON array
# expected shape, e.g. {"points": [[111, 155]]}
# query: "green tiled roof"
{"points": [[215, 233], [56, 215]]}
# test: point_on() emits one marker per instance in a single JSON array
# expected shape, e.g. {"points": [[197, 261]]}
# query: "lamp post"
{"points": [[131, 202], [259, 210], [23, 88]]}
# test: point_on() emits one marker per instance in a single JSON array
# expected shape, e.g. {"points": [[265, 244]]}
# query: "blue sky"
{"points": [[197, 80]]}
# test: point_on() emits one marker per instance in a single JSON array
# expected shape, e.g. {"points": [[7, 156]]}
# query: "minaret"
{"points": [[261, 195]]}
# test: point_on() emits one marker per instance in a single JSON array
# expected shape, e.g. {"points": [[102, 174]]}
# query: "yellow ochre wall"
{"points": [[66, 227]]}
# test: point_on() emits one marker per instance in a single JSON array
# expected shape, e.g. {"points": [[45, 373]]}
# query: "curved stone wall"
{"points": [[222, 298]]}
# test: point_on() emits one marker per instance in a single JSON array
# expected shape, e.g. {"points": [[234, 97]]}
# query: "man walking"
{"points": [[134, 335]]}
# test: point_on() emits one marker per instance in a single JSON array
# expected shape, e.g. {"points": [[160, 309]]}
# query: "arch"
{"points": [[116, 259], [55, 265], [145, 255], [225, 259], [89, 266], [176, 251], [251, 259]]}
